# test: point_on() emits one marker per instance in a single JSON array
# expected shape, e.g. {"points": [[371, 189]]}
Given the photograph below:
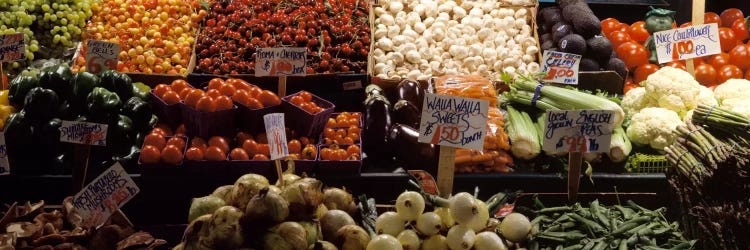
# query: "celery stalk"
{"points": [[524, 139], [620, 146]]}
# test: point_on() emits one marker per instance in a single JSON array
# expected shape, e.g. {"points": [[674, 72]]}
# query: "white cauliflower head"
{"points": [[635, 100], [654, 127], [732, 89], [673, 89], [740, 106]]}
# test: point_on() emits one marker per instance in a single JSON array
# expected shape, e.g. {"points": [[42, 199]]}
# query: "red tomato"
{"points": [[705, 74], [747, 75], [619, 37], [609, 25], [730, 15], [740, 29], [688, 24], [633, 54], [711, 17], [740, 56], [729, 72], [676, 64], [638, 32], [629, 87], [623, 27], [727, 38], [719, 60], [643, 71]]}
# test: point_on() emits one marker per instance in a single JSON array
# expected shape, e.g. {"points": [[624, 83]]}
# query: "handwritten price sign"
{"points": [[688, 42], [101, 56], [83, 133], [12, 47], [453, 121], [280, 61], [561, 67], [4, 164], [578, 131], [104, 195], [276, 133]]}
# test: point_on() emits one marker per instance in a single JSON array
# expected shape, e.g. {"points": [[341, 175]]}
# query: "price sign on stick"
{"points": [[12, 47], [287, 61], [4, 164], [687, 43], [105, 195], [452, 122], [101, 56], [561, 67], [276, 133], [86, 133]]}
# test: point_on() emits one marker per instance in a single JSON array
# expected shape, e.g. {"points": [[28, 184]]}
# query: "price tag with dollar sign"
{"points": [[101, 55]]}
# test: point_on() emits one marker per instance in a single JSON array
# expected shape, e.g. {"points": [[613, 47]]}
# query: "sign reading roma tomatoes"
{"points": [[686, 43], [453, 121], [285, 61], [101, 56]]}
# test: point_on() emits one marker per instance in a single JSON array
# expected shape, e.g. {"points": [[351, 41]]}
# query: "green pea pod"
{"points": [[57, 78], [101, 103], [560, 227], [590, 245], [568, 236], [141, 90], [19, 87], [589, 223], [632, 223], [549, 210], [574, 247], [684, 245], [600, 245], [623, 245], [597, 213], [117, 82], [41, 105]]}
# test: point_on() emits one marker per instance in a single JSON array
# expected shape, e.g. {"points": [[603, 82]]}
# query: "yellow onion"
{"points": [[293, 233], [267, 207], [198, 229], [324, 245], [223, 192], [435, 242], [274, 241], [313, 231], [320, 211], [225, 230], [409, 205], [203, 205], [429, 223], [352, 237], [304, 196], [288, 179], [332, 221], [384, 242], [245, 188], [336, 198], [409, 240]]}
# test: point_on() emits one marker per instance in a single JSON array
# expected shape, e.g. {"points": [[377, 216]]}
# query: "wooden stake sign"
{"points": [[281, 62], [84, 135], [276, 133], [699, 10], [577, 132], [105, 195], [452, 122]]}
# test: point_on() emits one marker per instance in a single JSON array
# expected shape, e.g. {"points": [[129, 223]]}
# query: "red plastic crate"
{"points": [[303, 122], [169, 114], [207, 124]]}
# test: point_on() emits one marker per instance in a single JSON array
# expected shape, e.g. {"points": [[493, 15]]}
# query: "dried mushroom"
{"points": [[70, 212], [10, 214], [52, 239], [69, 246], [7, 241], [140, 240], [106, 237], [24, 229], [78, 235], [54, 217], [28, 211]]}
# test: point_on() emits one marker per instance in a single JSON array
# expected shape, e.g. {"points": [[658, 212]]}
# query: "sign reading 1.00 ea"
{"points": [[561, 67], [688, 42], [101, 55], [287, 61], [12, 47], [453, 121], [578, 131]]}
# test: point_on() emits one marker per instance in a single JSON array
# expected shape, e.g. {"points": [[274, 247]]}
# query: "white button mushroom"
{"points": [[413, 56], [385, 43], [419, 27], [395, 6], [393, 31], [396, 57], [413, 75], [386, 19]]}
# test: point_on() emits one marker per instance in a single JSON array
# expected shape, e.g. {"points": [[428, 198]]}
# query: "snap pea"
{"points": [[534, 245], [589, 245], [574, 247], [559, 247], [623, 245], [601, 245], [632, 223], [562, 209], [613, 244], [631, 203], [592, 224], [539, 219], [568, 236], [627, 213], [597, 213], [653, 248], [550, 238], [560, 227], [684, 245], [562, 218]]}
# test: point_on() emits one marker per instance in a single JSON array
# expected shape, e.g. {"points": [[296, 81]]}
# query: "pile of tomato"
{"points": [[734, 61], [343, 129], [304, 101], [220, 95]]}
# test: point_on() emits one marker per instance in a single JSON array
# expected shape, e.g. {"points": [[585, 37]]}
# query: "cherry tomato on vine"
{"points": [[719, 60], [740, 29], [740, 56], [643, 71], [618, 37], [609, 25], [711, 17]]}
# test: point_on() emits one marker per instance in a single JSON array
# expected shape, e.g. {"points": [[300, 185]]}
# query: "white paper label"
{"points": [[84, 133], [12, 47], [688, 42], [101, 56], [276, 133], [104, 195], [285, 61], [561, 67], [578, 131], [453, 121]]}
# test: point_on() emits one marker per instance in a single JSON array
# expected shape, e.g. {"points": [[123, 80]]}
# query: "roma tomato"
{"points": [[729, 72], [609, 25], [643, 71], [719, 60], [638, 32], [705, 74], [633, 54], [727, 38], [711, 17], [730, 15], [740, 56], [618, 37], [740, 29]]}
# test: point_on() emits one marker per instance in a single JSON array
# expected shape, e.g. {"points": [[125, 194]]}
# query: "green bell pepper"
{"points": [[138, 110], [18, 132], [83, 84], [102, 104], [57, 78], [41, 105], [49, 134], [130, 156], [141, 90], [120, 135], [117, 82], [18, 87]]}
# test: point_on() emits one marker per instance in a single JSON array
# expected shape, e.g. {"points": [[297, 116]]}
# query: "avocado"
{"points": [[572, 43], [546, 45], [618, 65], [599, 48], [545, 37], [588, 64], [552, 16], [575, 10], [587, 26], [564, 3], [560, 30]]}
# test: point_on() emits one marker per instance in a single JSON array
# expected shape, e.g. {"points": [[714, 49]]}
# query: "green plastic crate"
{"points": [[647, 164]]}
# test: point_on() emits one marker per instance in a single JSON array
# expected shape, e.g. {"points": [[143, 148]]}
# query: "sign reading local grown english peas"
{"points": [[560, 67], [453, 121], [12, 47], [86, 133], [285, 61], [4, 164], [101, 56], [104, 195], [276, 133], [686, 43], [578, 131]]}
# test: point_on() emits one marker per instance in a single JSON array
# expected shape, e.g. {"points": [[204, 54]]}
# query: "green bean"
{"points": [[597, 214], [632, 223], [627, 213], [589, 245], [574, 247], [562, 209], [550, 238], [592, 224], [623, 245], [560, 227], [568, 236], [601, 245], [684, 245]]}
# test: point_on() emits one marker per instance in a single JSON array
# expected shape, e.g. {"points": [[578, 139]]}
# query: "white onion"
{"points": [[429, 223], [409, 240], [410, 204], [460, 238], [384, 242], [435, 242], [479, 222], [515, 227], [463, 207], [389, 223], [488, 241]]}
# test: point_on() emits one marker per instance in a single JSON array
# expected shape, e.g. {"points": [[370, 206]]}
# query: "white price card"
{"points": [[101, 56], [453, 121], [686, 43], [276, 133], [560, 67], [286, 61], [12, 47], [578, 130], [86, 133], [105, 195]]}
